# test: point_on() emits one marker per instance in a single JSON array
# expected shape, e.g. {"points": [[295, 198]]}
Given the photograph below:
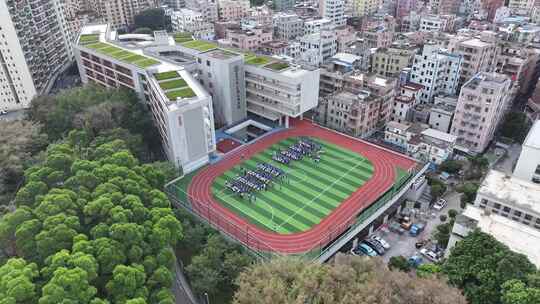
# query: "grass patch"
{"points": [[182, 37], [146, 62], [97, 45], [173, 84], [257, 60], [88, 39], [199, 45], [166, 75], [183, 93], [122, 55], [277, 66]]}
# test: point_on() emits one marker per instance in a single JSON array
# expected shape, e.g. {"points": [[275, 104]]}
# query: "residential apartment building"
{"points": [[528, 165], [283, 5], [391, 61], [521, 6], [404, 8], [365, 7], [249, 39], [507, 208], [405, 100], [437, 71], [35, 47], [351, 113], [287, 26], [482, 103], [233, 10], [174, 4], [432, 23], [442, 113], [317, 25], [189, 21], [181, 108], [443, 7], [520, 63], [333, 10], [208, 8], [120, 13], [378, 37], [478, 54], [317, 47]]}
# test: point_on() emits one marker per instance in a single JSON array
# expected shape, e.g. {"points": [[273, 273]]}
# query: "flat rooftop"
{"points": [[533, 138], [518, 237], [502, 187]]}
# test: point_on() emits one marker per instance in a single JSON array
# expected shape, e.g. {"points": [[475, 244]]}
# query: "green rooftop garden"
{"points": [[182, 93], [88, 39], [199, 45], [182, 37], [166, 75], [256, 60], [277, 66], [173, 84], [121, 54]]}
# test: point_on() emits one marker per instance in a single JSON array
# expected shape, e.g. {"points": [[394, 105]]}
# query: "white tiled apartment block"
{"points": [[437, 71], [35, 46], [318, 47], [333, 10], [482, 103], [287, 26], [317, 26], [190, 21], [208, 8], [432, 23]]}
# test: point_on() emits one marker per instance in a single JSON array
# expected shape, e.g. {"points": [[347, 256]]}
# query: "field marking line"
{"points": [[319, 195]]}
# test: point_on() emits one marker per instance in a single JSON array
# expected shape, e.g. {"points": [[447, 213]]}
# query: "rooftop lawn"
{"points": [[166, 75], [256, 60], [121, 54], [182, 37], [89, 38], [173, 84], [277, 66], [183, 93], [199, 45]]}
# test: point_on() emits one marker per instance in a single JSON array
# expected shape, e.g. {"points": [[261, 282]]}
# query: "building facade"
{"points": [[528, 165], [391, 61], [333, 10], [318, 47], [249, 39], [189, 21], [482, 103], [35, 47], [232, 10], [120, 13], [287, 26]]}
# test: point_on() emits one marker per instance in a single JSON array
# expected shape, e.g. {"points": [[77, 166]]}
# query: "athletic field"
{"points": [[309, 193]]}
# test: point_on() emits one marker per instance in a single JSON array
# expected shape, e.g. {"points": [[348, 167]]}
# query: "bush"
{"points": [[462, 203], [452, 213], [399, 263], [451, 166], [443, 217]]}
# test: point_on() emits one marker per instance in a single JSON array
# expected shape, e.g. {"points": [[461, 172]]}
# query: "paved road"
{"points": [[181, 290], [13, 115]]}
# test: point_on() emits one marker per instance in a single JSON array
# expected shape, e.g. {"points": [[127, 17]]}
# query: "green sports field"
{"points": [[309, 194]]}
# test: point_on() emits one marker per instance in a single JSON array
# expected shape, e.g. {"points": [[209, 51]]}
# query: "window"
{"points": [[517, 213], [497, 206], [506, 209], [528, 217]]}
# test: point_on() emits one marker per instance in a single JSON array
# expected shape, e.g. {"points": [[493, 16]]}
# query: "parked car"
{"points": [[3, 112], [395, 227], [417, 228], [365, 249], [430, 255], [374, 245], [406, 223], [381, 241], [440, 204], [356, 251]]}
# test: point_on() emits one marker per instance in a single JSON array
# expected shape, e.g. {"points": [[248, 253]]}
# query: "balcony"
{"points": [[277, 107], [272, 95], [281, 87]]}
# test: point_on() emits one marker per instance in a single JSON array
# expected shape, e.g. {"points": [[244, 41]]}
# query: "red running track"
{"points": [[384, 164]]}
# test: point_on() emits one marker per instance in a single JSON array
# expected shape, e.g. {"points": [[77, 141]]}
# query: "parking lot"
{"points": [[404, 244]]}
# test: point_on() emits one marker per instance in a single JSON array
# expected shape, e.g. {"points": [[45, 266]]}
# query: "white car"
{"points": [[381, 241], [430, 255], [3, 112], [439, 205]]}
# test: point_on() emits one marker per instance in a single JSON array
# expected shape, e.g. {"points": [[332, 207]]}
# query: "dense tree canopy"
{"points": [[153, 18], [515, 126], [480, 265], [349, 279], [97, 112], [20, 141], [90, 223]]}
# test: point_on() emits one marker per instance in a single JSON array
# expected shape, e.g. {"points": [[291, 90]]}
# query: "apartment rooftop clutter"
{"points": [[479, 55], [181, 108], [287, 26], [391, 61], [316, 48], [249, 39], [190, 21], [482, 103]]}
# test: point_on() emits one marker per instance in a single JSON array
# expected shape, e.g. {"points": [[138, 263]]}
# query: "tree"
{"points": [[20, 141], [348, 279], [428, 270], [479, 265], [469, 192], [399, 263], [452, 213], [127, 283], [442, 233], [17, 281], [517, 292], [68, 286], [451, 166], [443, 217], [153, 19], [515, 126]]}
